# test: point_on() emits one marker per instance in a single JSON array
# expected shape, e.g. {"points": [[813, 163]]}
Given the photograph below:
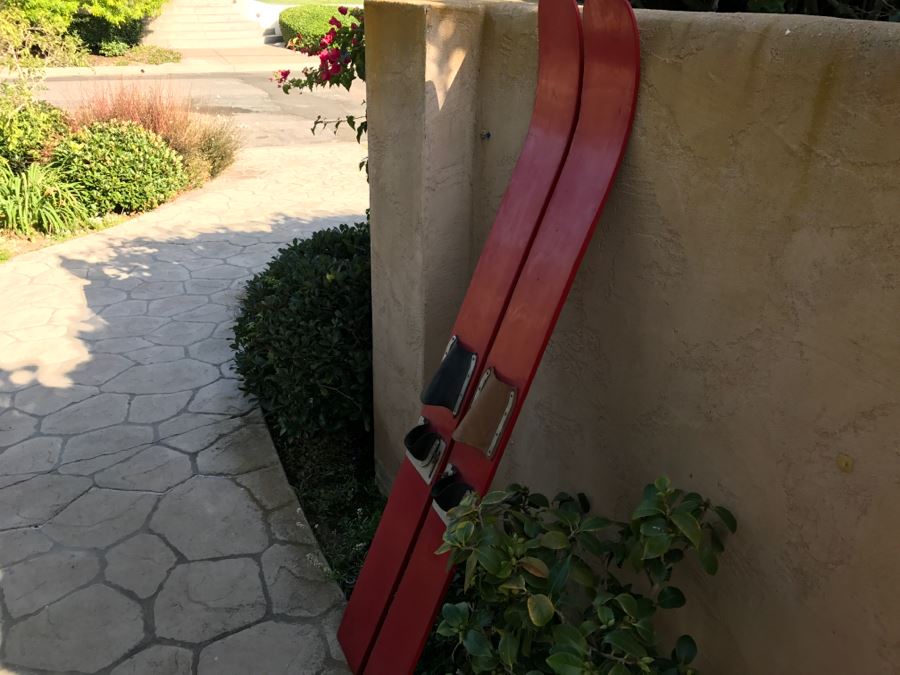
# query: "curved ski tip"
{"points": [[610, 19], [559, 24]]}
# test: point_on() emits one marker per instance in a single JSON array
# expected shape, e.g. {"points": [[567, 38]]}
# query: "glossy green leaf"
{"points": [[670, 598], [446, 629], [540, 609], [476, 643], [456, 614], [662, 483], [582, 574], [559, 575], [554, 540], [588, 628], [535, 567], [727, 517], [644, 628], [594, 523], [515, 584], [538, 501], [654, 547], [570, 519], [489, 559], [463, 532], [471, 566], [685, 650], [564, 663], [709, 560], [625, 642], [591, 544], [689, 527], [606, 615], [655, 527], [647, 508], [493, 498], [628, 604], [508, 649], [570, 638]]}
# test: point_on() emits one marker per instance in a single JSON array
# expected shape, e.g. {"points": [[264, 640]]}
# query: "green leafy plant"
{"points": [[39, 199], [113, 48], [303, 336], [96, 32], [206, 144], [60, 14], [121, 167], [550, 588], [336, 487], [26, 48], [29, 129]]}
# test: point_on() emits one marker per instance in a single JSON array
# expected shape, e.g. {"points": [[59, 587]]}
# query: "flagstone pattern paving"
{"points": [[146, 526]]}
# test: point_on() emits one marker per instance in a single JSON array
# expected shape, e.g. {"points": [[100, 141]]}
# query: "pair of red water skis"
{"points": [[584, 106]]}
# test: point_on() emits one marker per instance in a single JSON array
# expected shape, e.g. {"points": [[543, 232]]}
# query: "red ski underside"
{"points": [[532, 181], [609, 91]]}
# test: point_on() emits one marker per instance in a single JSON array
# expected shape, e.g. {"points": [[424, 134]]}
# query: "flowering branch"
{"points": [[342, 60]]}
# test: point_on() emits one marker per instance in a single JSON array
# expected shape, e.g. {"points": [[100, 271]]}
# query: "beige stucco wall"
{"points": [[735, 324]]}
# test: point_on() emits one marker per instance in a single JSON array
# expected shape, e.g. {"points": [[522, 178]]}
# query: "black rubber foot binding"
{"points": [[448, 492], [449, 384], [424, 446]]}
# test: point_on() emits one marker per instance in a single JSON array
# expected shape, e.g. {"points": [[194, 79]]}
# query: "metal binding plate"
{"points": [[487, 416]]}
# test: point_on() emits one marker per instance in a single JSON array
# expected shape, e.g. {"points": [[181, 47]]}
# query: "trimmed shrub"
{"points": [[99, 34], [121, 166], [39, 199], [309, 22], [207, 145], [303, 338], [29, 131]]}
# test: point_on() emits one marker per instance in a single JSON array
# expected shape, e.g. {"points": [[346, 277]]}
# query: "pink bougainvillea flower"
{"points": [[326, 40], [334, 55], [334, 22], [353, 26], [342, 9], [279, 77]]}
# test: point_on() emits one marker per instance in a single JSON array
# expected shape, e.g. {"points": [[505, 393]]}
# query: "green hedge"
{"points": [[103, 37], [303, 336], [310, 22], [121, 167]]}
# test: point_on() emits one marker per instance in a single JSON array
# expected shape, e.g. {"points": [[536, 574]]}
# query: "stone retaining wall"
{"points": [[736, 321]]}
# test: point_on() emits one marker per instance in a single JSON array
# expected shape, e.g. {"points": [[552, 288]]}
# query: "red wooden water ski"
{"points": [[609, 91], [532, 181]]}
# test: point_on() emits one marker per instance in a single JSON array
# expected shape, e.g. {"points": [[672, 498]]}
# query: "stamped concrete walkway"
{"points": [[146, 526]]}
